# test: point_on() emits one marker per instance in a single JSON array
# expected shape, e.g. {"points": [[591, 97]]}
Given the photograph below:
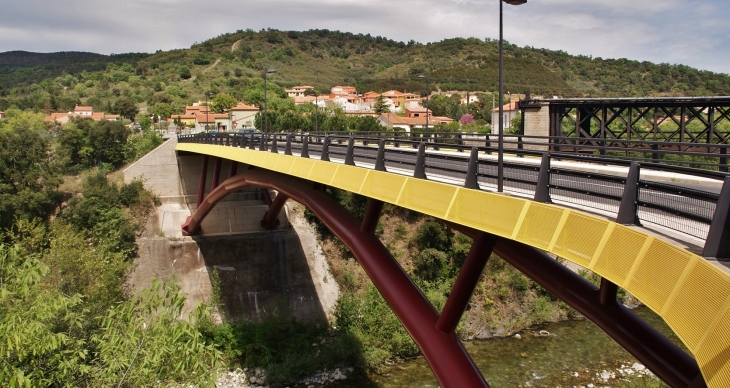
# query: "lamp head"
{"points": [[422, 77], [270, 71], [515, 2]]}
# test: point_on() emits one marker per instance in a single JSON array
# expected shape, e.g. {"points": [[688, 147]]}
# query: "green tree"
{"points": [[107, 139], [380, 106], [222, 102], [126, 108], [163, 110], [184, 72], [29, 175]]}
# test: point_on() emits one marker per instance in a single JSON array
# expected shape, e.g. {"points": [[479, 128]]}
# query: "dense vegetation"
{"points": [[163, 83], [22, 67]]}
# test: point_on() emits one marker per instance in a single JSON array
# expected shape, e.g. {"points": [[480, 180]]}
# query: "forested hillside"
{"points": [[22, 67], [232, 64]]}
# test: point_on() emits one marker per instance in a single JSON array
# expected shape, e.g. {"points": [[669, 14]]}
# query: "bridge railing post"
{"points": [[380, 159], [542, 190], [717, 244], [472, 170], [628, 211], [326, 149], [287, 147], [350, 156], [723, 159], [419, 171]]}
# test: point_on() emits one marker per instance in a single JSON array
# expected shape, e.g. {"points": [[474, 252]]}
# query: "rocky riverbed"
{"points": [[256, 378]]}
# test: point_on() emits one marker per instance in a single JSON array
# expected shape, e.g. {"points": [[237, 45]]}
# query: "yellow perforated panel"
{"points": [[491, 213], [302, 167], [656, 275], [714, 354], [270, 159], [434, 204], [690, 294], [349, 178], [383, 186], [689, 319], [285, 164], [539, 225], [579, 238], [323, 172], [619, 254]]}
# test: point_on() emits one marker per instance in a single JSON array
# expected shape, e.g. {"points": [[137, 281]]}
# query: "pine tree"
{"points": [[380, 106]]}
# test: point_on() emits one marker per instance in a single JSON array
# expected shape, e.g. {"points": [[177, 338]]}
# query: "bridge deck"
{"points": [[691, 294]]}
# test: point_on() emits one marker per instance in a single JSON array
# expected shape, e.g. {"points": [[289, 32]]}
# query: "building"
{"points": [[83, 110], [398, 98], [408, 123], [298, 91], [187, 119], [79, 111], [242, 116], [2, 115], [510, 112], [214, 121]]}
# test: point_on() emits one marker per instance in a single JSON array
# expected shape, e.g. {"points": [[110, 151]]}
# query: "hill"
{"points": [[22, 67], [233, 64]]}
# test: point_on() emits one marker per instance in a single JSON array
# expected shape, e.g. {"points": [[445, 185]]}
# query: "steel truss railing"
{"points": [[558, 176]]}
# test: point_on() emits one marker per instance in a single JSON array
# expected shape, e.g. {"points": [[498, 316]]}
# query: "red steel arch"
{"points": [[434, 332]]}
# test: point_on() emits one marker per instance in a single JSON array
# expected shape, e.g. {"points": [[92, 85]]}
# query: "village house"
{"points": [[297, 91], [2, 115], [414, 118], [242, 116], [79, 111], [510, 111]]}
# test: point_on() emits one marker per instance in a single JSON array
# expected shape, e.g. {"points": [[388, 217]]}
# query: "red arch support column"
{"points": [[449, 362]]}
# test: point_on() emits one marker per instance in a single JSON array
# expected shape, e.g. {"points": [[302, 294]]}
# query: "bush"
{"points": [[433, 234], [430, 264]]}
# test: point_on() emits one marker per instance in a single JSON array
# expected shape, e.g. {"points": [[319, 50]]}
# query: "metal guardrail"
{"points": [[684, 209]]}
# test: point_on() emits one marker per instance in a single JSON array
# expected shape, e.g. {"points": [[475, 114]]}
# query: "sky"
{"points": [[689, 32]]}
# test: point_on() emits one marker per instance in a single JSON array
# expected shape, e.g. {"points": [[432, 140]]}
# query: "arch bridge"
{"points": [[689, 292]]}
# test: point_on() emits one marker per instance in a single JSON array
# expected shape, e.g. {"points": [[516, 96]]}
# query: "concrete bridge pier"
{"points": [[255, 273]]}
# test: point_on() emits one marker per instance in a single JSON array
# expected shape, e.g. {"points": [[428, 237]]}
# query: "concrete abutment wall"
{"points": [[261, 273]]}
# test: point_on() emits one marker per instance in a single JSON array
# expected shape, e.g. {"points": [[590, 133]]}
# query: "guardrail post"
{"points": [[519, 146], [228, 140], [287, 148], [627, 211], [250, 144], [717, 244], [380, 159], [542, 191], [471, 172], [326, 149], [274, 147], [723, 159], [264, 138], [419, 171], [435, 141], [305, 146], [460, 136], [487, 144], [350, 156], [655, 155]]}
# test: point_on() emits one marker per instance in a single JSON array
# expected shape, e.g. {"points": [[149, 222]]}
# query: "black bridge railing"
{"points": [[608, 184]]}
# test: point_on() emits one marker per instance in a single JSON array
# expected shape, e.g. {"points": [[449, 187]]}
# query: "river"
{"points": [[575, 353]]}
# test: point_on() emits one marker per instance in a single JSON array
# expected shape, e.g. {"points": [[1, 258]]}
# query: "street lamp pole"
{"points": [[500, 153], [428, 92], [266, 114], [207, 110], [316, 111]]}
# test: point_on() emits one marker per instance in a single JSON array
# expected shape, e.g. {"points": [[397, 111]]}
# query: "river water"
{"points": [[575, 353]]}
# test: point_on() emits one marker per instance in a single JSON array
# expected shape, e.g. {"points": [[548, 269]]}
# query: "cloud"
{"points": [[690, 32]]}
